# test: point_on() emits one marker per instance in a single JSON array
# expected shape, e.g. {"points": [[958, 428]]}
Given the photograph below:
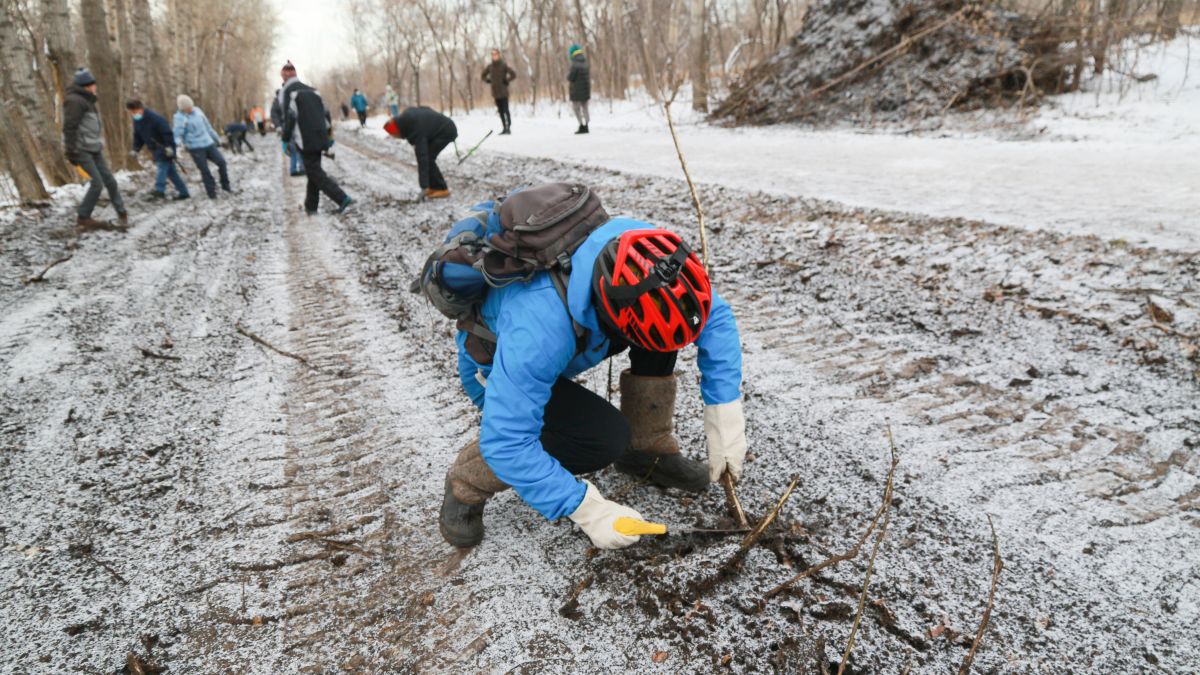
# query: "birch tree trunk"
{"points": [[30, 103], [60, 46], [106, 66], [15, 152], [698, 42]]}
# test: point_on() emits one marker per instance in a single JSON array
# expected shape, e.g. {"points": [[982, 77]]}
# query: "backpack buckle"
{"points": [[564, 261]]}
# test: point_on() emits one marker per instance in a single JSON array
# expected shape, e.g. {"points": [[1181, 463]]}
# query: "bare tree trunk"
{"points": [[699, 45], [32, 103], [142, 83], [60, 45], [107, 68], [14, 151]]}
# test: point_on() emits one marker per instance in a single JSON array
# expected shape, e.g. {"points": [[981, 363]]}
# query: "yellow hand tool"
{"points": [[633, 526]]}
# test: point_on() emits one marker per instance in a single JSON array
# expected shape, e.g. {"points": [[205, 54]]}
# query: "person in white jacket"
{"points": [[193, 130]]}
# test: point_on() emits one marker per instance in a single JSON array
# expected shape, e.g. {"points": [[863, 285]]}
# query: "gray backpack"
{"points": [[539, 228]]}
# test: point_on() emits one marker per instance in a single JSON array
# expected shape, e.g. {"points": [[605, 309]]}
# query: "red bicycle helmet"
{"points": [[392, 128], [649, 287]]}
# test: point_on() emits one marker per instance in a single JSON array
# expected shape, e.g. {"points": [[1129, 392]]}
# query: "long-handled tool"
{"points": [[462, 158], [633, 526]]}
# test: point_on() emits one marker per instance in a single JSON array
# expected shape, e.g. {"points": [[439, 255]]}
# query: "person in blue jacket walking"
{"points": [[196, 133], [151, 130], [359, 103], [632, 286]]}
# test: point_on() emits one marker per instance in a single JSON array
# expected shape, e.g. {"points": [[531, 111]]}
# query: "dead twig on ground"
{"points": [[41, 276], [282, 352], [854, 551], [151, 354], [731, 499], [762, 526], [887, 517], [997, 567]]}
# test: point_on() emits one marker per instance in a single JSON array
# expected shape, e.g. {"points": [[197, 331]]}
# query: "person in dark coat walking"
{"points": [[235, 132], [307, 127], [499, 74], [153, 132], [359, 103], [581, 87], [429, 132], [84, 145]]}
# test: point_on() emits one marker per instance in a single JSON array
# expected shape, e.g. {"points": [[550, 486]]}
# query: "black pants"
{"points": [[583, 431], [237, 139], [362, 118], [502, 108], [436, 145], [318, 182]]}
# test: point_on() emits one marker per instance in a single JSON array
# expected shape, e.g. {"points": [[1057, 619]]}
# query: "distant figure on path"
{"points": [[235, 132], [359, 103], [151, 131], [429, 132], [581, 87], [393, 101], [193, 129], [307, 126], [83, 142], [499, 74], [259, 120]]}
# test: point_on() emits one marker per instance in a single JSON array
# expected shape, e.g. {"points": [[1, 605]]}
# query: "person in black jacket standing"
{"points": [[581, 87], [152, 131], [429, 132], [499, 74], [305, 112], [83, 140]]}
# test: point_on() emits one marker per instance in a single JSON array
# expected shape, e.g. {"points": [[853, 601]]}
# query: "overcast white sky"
{"points": [[313, 34]]}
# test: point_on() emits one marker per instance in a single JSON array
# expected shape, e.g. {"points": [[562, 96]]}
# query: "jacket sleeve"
{"points": [[572, 73], [180, 128], [72, 117], [137, 139], [486, 77], [720, 357], [467, 368], [289, 121], [536, 343], [509, 74], [164, 134]]}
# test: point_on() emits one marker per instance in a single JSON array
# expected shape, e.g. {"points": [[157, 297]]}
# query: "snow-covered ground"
{"points": [[1118, 165]]}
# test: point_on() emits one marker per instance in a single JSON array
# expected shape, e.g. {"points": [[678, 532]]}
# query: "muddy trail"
{"points": [[223, 436]]}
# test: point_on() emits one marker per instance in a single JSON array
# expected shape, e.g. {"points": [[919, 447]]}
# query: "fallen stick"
{"points": [[148, 353], [731, 499], [268, 345], [997, 567], [41, 276], [887, 518], [853, 552], [762, 526]]}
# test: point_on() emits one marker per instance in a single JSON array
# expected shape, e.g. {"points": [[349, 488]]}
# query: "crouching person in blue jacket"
{"points": [[632, 286]]}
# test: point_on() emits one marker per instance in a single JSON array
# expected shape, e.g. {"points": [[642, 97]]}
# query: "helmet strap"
{"points": [[664, 273]]}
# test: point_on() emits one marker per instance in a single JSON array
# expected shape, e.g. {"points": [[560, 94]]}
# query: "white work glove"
{"points": [[595, 516], [725, 431]]}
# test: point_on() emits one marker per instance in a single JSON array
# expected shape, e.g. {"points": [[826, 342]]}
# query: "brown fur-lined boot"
{"points": [[648, 403], [469, 484]]}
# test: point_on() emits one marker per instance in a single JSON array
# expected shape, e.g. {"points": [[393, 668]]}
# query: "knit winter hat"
{"points": [[84, 77], [183, 102], [575, 49], [288, 70]]}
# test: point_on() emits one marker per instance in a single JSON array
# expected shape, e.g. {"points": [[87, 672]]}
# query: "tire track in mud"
{"points": [[357, 564]]}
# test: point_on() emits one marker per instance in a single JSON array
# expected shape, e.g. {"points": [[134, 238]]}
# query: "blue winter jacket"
{"points": [[536, 345], [358, 102], [194, 130], [152, 131]]}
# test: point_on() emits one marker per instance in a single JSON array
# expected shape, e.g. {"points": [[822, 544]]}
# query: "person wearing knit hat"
{"points": [[308, 130], [581, 87], [196, 133], [83, 141]]}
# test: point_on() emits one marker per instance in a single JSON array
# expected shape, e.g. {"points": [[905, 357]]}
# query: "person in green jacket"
{"points": [[581, 87]]}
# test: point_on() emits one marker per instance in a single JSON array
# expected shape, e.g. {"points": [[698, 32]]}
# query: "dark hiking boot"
{"points": [[469, 484], [181, 197], [648, 403], [585, 130], [155, 196], [123, 220], [580, 130], [90, 223], [345, 204], [506, 131]]}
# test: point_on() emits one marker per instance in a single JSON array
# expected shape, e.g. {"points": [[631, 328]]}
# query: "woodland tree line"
{"points": [[432, 52], [215, 51]]}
